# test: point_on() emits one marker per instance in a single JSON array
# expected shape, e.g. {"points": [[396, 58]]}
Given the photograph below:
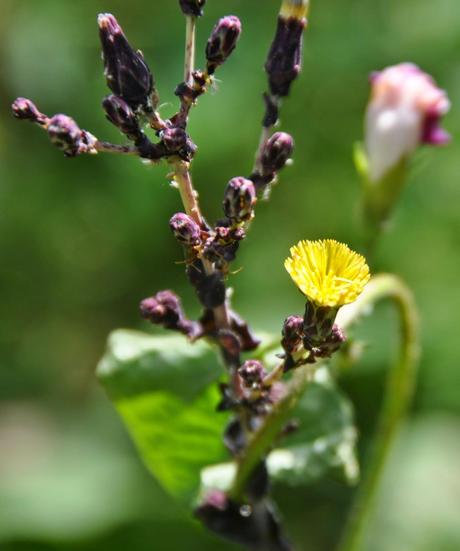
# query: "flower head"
{"points": [[404, 111], [327, 272]]}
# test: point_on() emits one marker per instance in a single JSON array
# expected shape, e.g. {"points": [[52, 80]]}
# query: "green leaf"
{"points": [[164, 389], [323, 443]]}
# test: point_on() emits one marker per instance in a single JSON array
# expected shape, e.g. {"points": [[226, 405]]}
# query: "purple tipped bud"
{"points": [[26, 110], [126, 72], [285, 56], [165, 309], [119, 113], [222, 41], [252, 372], [239, 199], [276, 153], [65, 134], [192, 7], [185, 229], [292, 333]]}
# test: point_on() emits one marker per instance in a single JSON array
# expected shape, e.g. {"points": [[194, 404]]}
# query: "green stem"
{"points": [[263, 439], [399, 390]]}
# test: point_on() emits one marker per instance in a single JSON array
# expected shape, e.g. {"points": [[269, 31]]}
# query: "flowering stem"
{"points": [[190, 28], [399, 390], [190, 201]]}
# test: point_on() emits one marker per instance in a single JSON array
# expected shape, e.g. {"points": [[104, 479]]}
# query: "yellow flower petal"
{"points": [[328, 272]]}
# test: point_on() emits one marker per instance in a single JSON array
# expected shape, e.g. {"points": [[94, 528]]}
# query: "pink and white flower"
{"points": [[404, 112]]}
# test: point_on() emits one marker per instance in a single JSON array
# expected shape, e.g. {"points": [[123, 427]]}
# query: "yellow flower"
{"points": [[297, 9], [327, 272]]}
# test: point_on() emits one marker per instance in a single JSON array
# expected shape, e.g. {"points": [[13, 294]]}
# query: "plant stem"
{"points": [[264, 136], [190, 28], [106, 147], [399, 390], [190, 201]]}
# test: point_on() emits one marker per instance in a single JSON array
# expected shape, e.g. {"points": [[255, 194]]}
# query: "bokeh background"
{"points": [[83, 240]]}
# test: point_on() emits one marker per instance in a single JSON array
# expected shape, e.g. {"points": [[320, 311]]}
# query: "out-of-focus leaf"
{"points": [[417, 508], [324, 441], [164, 389]]}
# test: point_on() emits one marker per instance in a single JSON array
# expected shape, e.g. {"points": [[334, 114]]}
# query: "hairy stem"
{"points": [[190, 28], [264, 136], [107, 147], [399, 390]]}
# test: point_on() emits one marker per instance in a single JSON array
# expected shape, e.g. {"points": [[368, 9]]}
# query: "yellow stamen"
{"points": [[327, 272]]}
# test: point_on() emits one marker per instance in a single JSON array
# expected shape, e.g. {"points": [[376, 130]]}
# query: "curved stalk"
{"points": [[399, 389]]}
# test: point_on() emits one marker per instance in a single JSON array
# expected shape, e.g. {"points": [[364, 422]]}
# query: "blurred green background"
{"points": [[83, 240]]}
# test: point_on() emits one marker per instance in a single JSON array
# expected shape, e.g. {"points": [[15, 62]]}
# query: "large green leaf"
{"points": [[324, 442], [164, 389]]}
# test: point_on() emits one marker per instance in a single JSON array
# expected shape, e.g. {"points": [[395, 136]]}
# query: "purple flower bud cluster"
{"points": [[315, 334], [222, 42], [165, 309]]}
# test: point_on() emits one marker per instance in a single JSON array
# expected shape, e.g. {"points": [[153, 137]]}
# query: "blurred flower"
{"points": [[404, 111], [327, 272]]}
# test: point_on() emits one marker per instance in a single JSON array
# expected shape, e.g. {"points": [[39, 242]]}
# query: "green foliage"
{"points": [[165, 390], [323, 443]]}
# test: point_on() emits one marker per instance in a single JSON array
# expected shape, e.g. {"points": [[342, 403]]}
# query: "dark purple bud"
{"points": [[222, 41], [239, 199], [65, 134], [209, 288], [248, 340], [192, 7], [292, 333], [276, 152], [252, 372], [26, 110], [165, 309], [126, 72], [235, 439], [185, 229], [177, 141], [119, 113], [285, 56], [174, 138], [238, 524]]}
